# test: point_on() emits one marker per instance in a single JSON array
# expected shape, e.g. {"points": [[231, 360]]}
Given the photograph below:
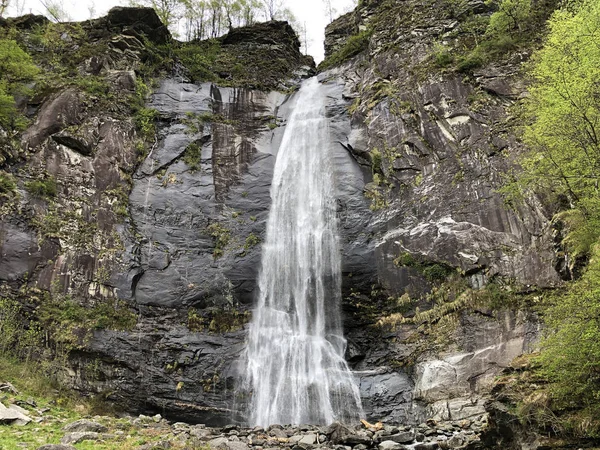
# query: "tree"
{"points": [[273, 9], [564, 109], [55, 9], [211, 18], [510, 16], [3, 6], [329, 9], [563, 160], [169, 11]]}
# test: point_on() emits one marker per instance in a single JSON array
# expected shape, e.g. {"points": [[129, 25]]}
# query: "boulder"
{"points": [[342, 435], [79, 436], [390, 445], [219, 443], [139, 20], [405, 437], [85, 425], [61, 111], [13, 415]]}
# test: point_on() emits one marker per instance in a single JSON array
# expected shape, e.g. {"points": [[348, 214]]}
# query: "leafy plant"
{"points": [[7, 184], [42, 188], [221, 236], [353, 46], [192, 156], [16, 69], [145, 119]]}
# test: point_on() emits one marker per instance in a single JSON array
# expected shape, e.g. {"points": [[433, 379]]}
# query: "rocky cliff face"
{"points": [[443, 248], [163, 229], [167, 232]]}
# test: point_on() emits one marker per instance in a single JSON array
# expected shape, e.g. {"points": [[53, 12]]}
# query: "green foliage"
{"points": [[221, 236], [8, 184], [442, 56], [11, 326], [118, 198], [510, 17], [570, 357], [353, 46], [69, 323], [563, 110], [256, 67], [561, 164], [376, 161], [145, 119], [192, 156], [515, 24], [199, 58], [432, 271], [216, 320], [16, 69], [469, 62], [46, 188], [252, 240], [97, 86]]}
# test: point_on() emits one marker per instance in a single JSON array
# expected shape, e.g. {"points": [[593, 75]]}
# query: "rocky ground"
{"points": [[31, 420], [145, 432]]}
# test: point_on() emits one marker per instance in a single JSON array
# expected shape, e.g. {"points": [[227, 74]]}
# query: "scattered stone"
{"points": [[233, 445], [308, 439], [8, 387], [13, 415], [340, 434], [405, 437], [157, 418], [79, 436], [56, 447], [390, 445], [160, 445], [278, 433], [426, 446], [218, 443], [85, 425]]}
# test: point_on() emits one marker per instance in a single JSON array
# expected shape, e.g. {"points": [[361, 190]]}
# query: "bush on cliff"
{"points": [[16, 69]]}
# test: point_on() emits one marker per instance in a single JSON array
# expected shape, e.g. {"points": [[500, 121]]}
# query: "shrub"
{"points": [[221, 236], [42, 188], [16, 68], [442, 57], [192, 156], [470, 62], [145, 119], [7, 184], [353, 46]]}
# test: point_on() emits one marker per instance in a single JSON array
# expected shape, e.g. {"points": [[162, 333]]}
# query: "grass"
{"points": [[353, 46], [65, 407]]}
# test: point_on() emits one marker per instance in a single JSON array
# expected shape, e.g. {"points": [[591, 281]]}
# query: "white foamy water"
{"points": [[296, 371]]}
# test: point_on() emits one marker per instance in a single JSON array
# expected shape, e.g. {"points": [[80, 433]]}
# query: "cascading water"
{"points": [[296, 369]]}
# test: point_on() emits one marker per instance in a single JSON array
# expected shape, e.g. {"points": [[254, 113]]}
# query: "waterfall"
{"points": [[296, 370]]}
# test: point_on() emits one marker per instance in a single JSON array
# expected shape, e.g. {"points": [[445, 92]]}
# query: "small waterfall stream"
{"points": [[296, 369]]}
